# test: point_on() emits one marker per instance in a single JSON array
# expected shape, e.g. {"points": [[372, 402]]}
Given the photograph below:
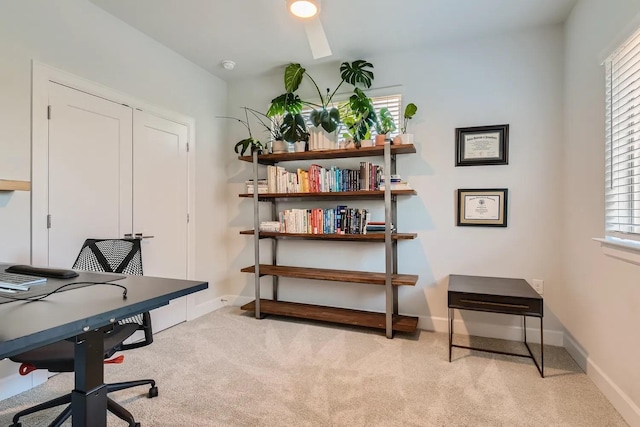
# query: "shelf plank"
{"points": [[349, 276], [364, 194], [269, 159], [12, 185], [334, 315], [373, 237]]}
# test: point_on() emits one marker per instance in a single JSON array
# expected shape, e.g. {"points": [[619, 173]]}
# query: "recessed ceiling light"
{"points": [[304, 8]]}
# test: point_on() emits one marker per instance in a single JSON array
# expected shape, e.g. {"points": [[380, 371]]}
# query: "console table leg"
{"points": [[450, 315], [541, 349]]}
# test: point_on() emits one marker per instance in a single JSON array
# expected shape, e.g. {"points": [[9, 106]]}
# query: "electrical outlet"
{"points": [[538, 285]]}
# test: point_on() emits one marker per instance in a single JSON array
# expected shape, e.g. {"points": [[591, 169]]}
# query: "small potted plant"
{"points": [[358, 115], [250, 142], [294, 131], [384, 125], [406, 138]]}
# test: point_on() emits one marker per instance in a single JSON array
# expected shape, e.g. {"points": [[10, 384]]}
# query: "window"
{"points": [[622, 169]]}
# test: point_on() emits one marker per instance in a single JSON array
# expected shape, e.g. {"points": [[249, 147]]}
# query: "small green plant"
{"points": [[250, 142], [358, 116], [385, 123], [409, 111]]}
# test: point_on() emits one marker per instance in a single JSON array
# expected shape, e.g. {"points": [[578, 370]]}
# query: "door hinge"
{"points": [[49, 221], [187, 218], [48, 112], [187, 147]]}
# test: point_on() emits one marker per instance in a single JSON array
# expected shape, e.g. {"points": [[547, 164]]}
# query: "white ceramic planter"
{"points": [[279, 147], [299, 146]]}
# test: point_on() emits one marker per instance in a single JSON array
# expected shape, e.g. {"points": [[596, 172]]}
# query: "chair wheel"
{"points": [[153, 392], [138, 424], [16, 425]]}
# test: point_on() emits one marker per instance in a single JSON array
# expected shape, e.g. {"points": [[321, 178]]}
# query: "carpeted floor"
{"points": [[229, 369]]}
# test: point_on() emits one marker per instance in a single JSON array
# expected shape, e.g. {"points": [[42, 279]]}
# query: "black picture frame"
{"points": [[482, 207], [482, 145]]}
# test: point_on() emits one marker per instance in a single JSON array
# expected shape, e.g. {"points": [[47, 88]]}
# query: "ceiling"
{"points": [[260, 35]]}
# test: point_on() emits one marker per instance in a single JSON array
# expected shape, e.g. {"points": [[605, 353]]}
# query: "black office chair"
{"points": [[101, 255]]}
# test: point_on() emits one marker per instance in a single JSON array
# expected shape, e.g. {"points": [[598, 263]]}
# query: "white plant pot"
{"points": [[367, 143], [299, 146], [405, 138], [319, 140], [279, 147]]}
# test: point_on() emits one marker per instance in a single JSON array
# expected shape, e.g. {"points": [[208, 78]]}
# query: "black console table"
{"points": [[496, 295]]}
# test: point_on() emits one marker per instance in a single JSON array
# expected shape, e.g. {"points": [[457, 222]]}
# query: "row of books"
{"points": [[320, 179], [339, 220]]}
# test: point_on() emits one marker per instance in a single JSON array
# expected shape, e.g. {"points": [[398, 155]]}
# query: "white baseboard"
{"points": [[618, 398], [491, 330], [15, 383]]}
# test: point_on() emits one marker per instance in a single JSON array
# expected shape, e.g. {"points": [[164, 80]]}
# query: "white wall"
{"points": [[514, 78], [598, 299], [80, 38]]}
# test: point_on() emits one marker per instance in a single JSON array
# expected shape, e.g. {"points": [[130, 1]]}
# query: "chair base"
{"points": [[112, 405]]}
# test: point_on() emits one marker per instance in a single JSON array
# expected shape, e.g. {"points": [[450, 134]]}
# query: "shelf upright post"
{"points": [[274, 250], [256, 232], [394, 243], [387, 241]]}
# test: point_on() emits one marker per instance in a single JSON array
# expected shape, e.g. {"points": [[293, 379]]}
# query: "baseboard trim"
{"points": [[618, 398], [491, 330]]}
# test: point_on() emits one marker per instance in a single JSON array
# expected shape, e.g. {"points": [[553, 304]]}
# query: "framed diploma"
{"points": [[482, 207], [482, 145]]}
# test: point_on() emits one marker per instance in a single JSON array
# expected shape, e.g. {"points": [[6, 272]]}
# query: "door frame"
{"points": [[42, 75]]}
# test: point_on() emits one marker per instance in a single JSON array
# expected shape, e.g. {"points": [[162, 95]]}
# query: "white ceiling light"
{"points": [[228, 64], [304, 8]]}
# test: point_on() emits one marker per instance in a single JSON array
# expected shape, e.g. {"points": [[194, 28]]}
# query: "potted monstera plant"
{"points": [[384, 125], [358, 116], [324, 116]]}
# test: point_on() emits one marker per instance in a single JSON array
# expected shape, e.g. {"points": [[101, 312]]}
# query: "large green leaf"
{"points": [[329, 120], [293, 77], [293, 127], [357, 73], [285, 103], [410, 110], [246, 143]]}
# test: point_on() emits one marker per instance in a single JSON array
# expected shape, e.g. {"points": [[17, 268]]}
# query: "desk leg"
{"points": [[450, 331], [89, 398]]}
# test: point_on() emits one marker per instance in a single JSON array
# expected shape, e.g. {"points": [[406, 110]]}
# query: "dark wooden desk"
{"points": [[496, 295], [84, 313]]}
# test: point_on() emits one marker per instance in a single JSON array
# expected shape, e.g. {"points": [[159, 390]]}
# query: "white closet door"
{"points": [[90, 171], [160, 204]]}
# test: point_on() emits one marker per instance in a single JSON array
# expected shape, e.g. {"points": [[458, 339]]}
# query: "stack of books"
{"points": [[397, 183], [272, 226], [262, 186], [377, 227]]}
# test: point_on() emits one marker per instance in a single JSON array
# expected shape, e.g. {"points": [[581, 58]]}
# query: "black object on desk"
{"points": [[496, 295], [84, 313]]}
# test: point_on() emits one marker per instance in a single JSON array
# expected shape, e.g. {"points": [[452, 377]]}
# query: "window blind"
{"points": [[622, 156]]}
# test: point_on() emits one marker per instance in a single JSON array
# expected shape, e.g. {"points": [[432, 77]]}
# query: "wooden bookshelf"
{"points": [[334, 315], [270, 159], [349, 276], [372, 237], [12, 185], [338, 195]]}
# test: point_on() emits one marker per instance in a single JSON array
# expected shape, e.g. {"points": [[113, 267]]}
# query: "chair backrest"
{"points": [[110, 255], [117, 256]]}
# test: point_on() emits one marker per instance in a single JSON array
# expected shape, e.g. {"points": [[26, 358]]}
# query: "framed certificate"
{"points": [[482, 207], [482, 145]]}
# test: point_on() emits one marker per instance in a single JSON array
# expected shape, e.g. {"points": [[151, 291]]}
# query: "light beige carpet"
{"points": [[229, 369]]}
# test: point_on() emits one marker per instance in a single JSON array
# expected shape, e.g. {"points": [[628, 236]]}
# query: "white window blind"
{"points": [[392, 102], [622, 169]]}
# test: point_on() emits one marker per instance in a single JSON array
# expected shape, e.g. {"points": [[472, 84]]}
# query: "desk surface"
{"points": [[501, 286], [28, 325]]}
